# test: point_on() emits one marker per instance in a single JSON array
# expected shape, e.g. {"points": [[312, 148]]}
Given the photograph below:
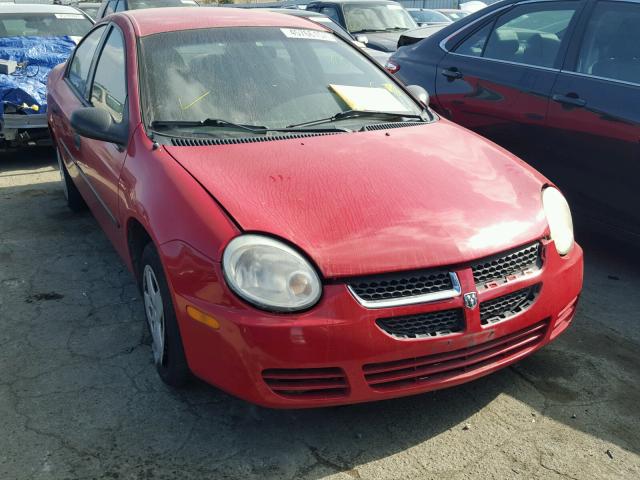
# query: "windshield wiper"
{"points": [[356, 114], [208, 122], [215, 122]]}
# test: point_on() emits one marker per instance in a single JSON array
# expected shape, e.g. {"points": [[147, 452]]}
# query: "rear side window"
{"points": [[109, 90], [611, 44], [78, 73], [529, 34]]}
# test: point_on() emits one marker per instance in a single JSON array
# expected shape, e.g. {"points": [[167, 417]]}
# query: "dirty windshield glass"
{"points": [[364, 17], [44, 24], [269, 77]]}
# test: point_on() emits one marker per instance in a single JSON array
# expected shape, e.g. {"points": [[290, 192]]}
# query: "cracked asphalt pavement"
{"points": [[80, 399]]}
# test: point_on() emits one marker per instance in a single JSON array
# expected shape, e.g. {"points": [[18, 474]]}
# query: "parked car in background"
{"points": [[90, 8], [110, 6], [558, 83], [380, 21], [211, 154], [425, 17], [33, 40], [472, 6], [415, 35], [452, 13], [380, 57]]}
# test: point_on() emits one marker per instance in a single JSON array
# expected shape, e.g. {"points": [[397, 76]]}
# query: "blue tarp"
{"points": [[28, 84]]}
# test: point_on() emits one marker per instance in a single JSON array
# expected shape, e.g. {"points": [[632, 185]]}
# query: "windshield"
{"points": [[262, 76], [138, 4], [44, 24], [429, 16], [456, 15], [365, 17]]}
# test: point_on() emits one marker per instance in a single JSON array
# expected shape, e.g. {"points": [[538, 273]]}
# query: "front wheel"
{"points": [[166, 342], [74, 200]]}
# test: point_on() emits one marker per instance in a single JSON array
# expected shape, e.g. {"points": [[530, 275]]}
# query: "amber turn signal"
{"points": [[203, 317]]}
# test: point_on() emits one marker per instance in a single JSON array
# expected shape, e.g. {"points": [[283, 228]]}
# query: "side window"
{"points": [[331, 12], [78, 72], [121, 6], [611, 44], [474, 44], [109, 90], [530, 34]]}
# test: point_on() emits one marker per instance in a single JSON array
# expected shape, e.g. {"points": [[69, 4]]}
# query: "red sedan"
{"points": [[305, 232]]}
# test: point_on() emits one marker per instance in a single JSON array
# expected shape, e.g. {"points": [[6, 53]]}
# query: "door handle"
{"points": [[76, 140], [452, 73], [570, 99]]}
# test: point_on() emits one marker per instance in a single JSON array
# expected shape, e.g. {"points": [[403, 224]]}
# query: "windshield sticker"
{"points": [[69, 16], [308, 34], [373, 99]]}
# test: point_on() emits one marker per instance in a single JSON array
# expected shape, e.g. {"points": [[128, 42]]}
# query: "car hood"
{"points": [[378, 201], [385, 42]]}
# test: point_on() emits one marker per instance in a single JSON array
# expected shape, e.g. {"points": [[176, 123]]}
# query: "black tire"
{"points": [[172, 364], [75, 202]]}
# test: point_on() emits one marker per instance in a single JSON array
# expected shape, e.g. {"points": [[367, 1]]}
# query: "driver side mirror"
{"points": [[96, 123], [419, 94]]}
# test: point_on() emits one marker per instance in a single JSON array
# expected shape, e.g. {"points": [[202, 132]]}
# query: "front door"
{"points": [[103, 161]]}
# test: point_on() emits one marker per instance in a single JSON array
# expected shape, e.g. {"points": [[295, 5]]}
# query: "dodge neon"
{"points": [[304, 230]]}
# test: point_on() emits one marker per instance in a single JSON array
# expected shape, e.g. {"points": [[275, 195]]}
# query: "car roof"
{"points": [[35, 8], [170, 19]]}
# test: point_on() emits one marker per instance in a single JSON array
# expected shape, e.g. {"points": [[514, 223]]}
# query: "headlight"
{"points": [[270, 274], [558, 215]]}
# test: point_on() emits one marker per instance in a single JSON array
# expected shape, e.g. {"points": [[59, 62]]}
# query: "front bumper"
{"points": [[336, 353]]}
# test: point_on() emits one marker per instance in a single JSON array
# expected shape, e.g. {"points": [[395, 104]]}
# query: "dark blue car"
{"points": [[556, 82]]}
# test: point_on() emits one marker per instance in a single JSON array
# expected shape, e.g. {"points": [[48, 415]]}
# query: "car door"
{"points": [[498, 77], [102, 161], [595, 117]]}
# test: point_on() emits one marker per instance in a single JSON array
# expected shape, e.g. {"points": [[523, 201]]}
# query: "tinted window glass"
{"points": [[121, 6], [260, 76], [44, 24], [611, 45], [474, 45], [109, 89], [530, 34], [81, 62]]}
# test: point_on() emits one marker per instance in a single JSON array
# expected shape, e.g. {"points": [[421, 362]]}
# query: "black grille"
{"points": [[199, 142], [432, 324], [388, 125], [514, 262], [401, 285], [507, 306]]}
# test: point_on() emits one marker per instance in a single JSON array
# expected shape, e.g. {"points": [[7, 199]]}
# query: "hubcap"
{"points": [[62, 179], [154, 309]]}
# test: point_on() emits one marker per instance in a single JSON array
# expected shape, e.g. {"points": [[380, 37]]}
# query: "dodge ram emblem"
{"points": [[471, 300]]}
